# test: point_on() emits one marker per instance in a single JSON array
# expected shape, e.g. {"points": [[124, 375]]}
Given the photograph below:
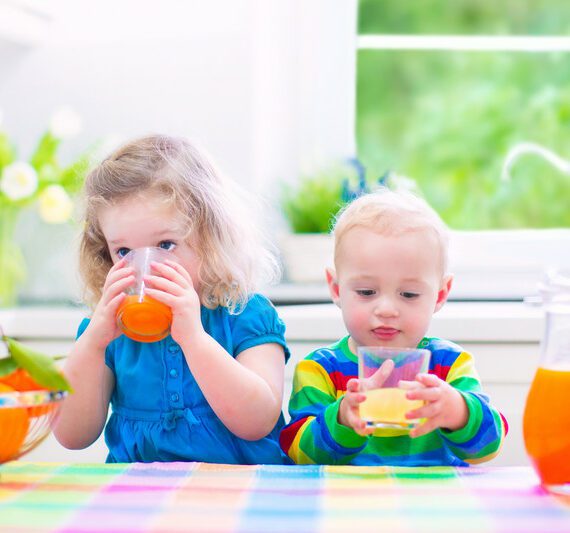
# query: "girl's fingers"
{"points": [[180, 269], [163, 297], [116, 288], [173, 272], [117, 274], [114, 303], [164, 284], [119, 264]]}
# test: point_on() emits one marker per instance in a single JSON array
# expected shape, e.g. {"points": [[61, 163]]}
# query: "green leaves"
{"points": [[312, 204], [41, 367], [447, 119], [7, 152], [7, 366], [46, 151]]}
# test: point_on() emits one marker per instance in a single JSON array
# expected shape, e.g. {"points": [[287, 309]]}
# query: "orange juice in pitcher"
{"points": [[546, 424]]}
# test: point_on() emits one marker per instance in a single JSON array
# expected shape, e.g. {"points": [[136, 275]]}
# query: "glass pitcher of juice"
{"points": [[546, 424]]}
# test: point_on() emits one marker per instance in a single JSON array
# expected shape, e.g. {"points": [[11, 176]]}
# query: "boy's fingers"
{"points": [[427, 394], [426, 427], [352, 385], [354, 398], [381, 375], [360, 427], [430, 410], [429, 380], [409, 385]]}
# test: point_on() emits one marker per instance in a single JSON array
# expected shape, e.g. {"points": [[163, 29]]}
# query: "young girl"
{"points": [[212, 390]]}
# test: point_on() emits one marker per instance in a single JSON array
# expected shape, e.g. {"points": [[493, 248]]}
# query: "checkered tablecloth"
{"points": [[171, 497]]}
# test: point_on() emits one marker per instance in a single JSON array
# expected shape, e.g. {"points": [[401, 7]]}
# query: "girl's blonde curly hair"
{"points": [[234, 255]]}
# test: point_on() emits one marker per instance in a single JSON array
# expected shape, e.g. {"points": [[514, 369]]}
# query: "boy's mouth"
{"points": [[385, 333]]}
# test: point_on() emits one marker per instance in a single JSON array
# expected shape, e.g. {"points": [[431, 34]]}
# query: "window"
{"points": [[445, 91]]}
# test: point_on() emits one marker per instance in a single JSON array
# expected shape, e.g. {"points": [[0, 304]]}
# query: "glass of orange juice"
{"points": [[386, 405], [141, 317]]}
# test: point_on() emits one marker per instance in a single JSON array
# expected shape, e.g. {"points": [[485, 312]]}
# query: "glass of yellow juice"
{"points": [[139, 316], [386, 405]]}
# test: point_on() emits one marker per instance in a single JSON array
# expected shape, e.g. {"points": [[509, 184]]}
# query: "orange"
{"points": [[144, 321], [21, 381], [14, 422]]}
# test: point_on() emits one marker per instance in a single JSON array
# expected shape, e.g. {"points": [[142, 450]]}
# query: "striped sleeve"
{"points": [[314, 435], [481, 438]]}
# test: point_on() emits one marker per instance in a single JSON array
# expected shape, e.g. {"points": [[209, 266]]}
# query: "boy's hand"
{"points": [[103, 327], [445, 406], [349, 411]]}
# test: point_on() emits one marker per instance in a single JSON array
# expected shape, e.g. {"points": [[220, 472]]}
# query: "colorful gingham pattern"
{"points": [[314, 435], [176, 497]]}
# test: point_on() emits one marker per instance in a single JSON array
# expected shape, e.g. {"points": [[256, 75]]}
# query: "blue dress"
{"points": [[158, 410]]}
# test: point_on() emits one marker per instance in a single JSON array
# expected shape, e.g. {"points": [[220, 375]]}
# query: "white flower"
{"points": [[65, 123], [19, 180], [1, 117], [55, 205]]}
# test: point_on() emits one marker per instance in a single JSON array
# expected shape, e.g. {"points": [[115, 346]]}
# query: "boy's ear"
{"points": [[333, 285], [443, 293]]}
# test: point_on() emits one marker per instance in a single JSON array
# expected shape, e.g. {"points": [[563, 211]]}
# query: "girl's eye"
{"points": [[167, 245], [409, 295], [365, 292], [121, 252]]}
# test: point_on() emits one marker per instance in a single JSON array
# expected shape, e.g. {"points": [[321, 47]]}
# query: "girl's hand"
{"points": [[103, 325], [349, 411], [174, 288], [444, 408]]}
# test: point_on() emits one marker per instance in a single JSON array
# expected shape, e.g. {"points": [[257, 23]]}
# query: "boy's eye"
{"points": [[167, 245], [409, 295], [121, 252], [365, 292]]}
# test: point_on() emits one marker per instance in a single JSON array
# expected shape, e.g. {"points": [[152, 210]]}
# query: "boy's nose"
{"points": [[386, 307]]}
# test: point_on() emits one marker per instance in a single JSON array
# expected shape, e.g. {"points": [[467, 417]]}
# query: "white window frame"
{"points": [[495, 264]]}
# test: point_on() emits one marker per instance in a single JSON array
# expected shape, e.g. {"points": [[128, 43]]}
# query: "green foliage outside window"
{"points": [[448, 118]]}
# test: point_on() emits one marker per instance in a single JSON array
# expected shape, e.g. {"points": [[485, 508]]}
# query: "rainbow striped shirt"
{"points": [[314, 435]]}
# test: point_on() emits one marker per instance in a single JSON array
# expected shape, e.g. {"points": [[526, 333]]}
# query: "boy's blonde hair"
{"points": [[233, 257], [389, 212]]}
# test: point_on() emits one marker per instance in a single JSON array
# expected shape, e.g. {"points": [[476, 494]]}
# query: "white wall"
{"points": [[267, 86]]}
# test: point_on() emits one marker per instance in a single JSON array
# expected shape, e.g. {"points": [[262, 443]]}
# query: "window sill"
{"points": [[460, 321], [487, 265]]}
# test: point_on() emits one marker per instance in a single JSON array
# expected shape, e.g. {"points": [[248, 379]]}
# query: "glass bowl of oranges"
{"points": [[31, 390]]}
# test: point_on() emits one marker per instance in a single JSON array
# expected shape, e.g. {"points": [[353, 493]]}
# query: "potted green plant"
{"points": [[309, 207]]}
